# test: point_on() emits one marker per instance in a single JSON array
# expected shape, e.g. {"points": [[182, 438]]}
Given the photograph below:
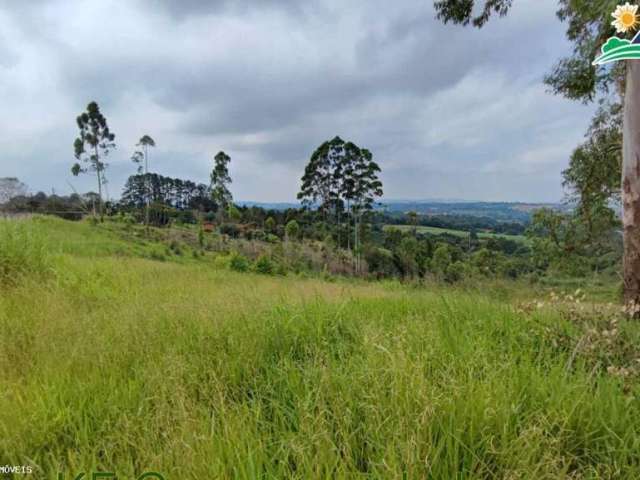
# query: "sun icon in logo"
{"points": [[626, 18]]}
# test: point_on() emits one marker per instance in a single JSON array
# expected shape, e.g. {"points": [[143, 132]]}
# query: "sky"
{"points": [[448, 112]]}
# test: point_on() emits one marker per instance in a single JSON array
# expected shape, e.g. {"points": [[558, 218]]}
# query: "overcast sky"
{"points": [[448, 112]]}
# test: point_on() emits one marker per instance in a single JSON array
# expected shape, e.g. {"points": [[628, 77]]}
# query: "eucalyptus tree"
{"points": [[322, 178], [92, 146], [141, 158], [340, 174], [220, 179], [360, 187], [589, 26]]}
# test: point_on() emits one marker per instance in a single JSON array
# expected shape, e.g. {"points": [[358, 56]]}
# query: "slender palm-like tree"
{"points": [[141, 157]]}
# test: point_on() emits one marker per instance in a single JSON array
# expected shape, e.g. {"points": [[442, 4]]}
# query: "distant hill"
{"points": [[501, 211]]}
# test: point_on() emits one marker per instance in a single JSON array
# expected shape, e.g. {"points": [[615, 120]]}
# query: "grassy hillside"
{"points": [[458, 233], [115, 361]]}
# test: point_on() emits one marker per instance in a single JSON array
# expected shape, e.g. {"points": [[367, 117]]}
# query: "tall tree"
{"points": [[412, 216], [360, 186], [92, 146], [575, 77], [340, 174], [141, 158], [220, 180], [11, 187], [593, 175], [322, 178]]}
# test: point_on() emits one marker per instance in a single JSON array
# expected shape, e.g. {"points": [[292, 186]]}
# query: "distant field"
{"points": [[114, 361], [458, 233]]}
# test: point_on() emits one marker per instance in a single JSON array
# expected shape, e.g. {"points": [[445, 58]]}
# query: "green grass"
{"points": [[121, 363], [457, 233]]}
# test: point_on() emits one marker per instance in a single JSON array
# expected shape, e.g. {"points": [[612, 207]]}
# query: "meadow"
{"points": [[117, 359], [457, 233]]}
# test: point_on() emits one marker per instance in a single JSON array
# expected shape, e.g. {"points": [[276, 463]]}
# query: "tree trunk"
{"points": [[631, 189], [99, 195], [146, 176], [97, 165]]}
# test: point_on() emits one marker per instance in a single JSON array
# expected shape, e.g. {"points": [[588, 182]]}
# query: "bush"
{"points": [[264, 265], [157, 254], [230, 229], [271, 238], [292, 230], [454, 272], [380, 261], [222, 262], [23, 251], [175, 247], [239, 263]]}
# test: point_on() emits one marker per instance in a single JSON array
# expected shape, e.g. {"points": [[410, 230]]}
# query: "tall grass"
{"points": [[23, 251], [130, 365]]}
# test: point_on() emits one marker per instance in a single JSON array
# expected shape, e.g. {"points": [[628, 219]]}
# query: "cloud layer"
{"points": [[447, 111]]}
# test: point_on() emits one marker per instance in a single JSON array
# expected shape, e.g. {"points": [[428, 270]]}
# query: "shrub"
{"points": [[441, 259], [454, 272], [222, 262], [271, 238], [264, 265], [175, 247], [230, 229], [380, 261], [239, 263], [201, 236], [270, 225], [292, 230], [157, 254]]}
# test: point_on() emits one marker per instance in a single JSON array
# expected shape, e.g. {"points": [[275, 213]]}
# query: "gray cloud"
{"points": [[447, 111], [185, 8]]}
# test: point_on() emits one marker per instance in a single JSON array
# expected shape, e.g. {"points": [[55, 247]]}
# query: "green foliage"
{"points": [[340, 173], [407, 253], [594, 171], [175, 193], [441, 259], [566, 243], [201, 236], [270, 225], [233, 213], [463, 12], [220, 181], [292, 230], [239, 263], [381, 262], [175, 247], [158, 254], [271, 238], [265, 265], [92, 145], [455, 272], [230, 229], [23, 252]]}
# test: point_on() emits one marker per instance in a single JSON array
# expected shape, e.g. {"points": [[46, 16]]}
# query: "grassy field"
{"points": [[457, 233], [113, 361]]}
